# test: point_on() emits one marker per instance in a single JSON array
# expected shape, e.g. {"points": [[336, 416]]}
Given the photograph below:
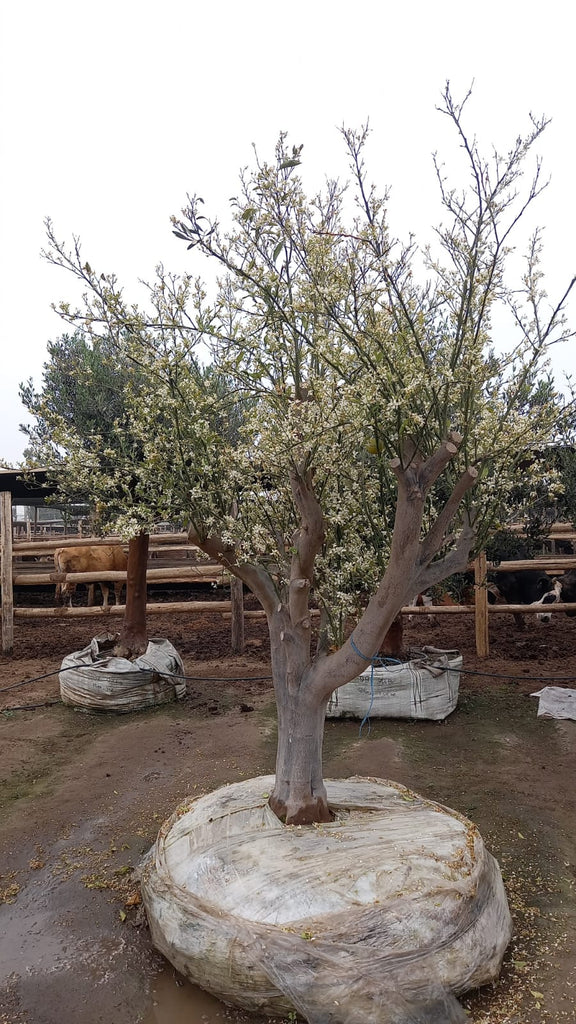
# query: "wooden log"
{"points": [[530, 609], [39, 547], [208, 573], [493, 609], [552, 564], [257, 614], [442, 609], [547, 563], [555, 530], [189, 574], [6, 572], [224, 608], [204, 569], [133, 639], [160, 608], [50, 544]]}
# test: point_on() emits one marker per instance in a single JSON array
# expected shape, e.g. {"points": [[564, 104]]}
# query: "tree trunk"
{"points": [[299, 795], [133, 639]]}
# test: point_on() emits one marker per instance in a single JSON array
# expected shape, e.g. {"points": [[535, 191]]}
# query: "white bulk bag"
{"points": [[426, 686], [93, 678], [385, 914], [556, 702]]}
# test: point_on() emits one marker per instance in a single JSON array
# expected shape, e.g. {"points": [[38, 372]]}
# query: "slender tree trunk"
{"points": [[133, 639]]}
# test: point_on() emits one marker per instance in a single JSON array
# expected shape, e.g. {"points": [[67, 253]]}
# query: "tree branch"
{"points": [[437, 462], [433, 541], [307, 540], [253, 576], [455, 561]]}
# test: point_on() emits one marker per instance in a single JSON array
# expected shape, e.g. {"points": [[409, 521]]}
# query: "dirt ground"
{"points": [[83, 795]]}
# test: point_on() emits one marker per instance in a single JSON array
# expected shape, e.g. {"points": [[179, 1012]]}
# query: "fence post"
{"points": [[237, 609], [6, 572], [481, 607]]}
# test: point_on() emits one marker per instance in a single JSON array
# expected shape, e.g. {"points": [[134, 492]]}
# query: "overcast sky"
{"points": [[111, 112]]}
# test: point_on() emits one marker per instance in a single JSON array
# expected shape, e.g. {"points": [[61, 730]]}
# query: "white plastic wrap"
{"points": [[556, 702], [384, 914], [424, 687], [93, 678]]}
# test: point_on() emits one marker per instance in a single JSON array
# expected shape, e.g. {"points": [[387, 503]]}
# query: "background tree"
{"points": [[382, 433], [85, 406], [89, 425], [80, 384]]}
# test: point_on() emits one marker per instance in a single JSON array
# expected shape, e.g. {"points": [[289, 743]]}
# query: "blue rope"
{"points": [[375, 661]]}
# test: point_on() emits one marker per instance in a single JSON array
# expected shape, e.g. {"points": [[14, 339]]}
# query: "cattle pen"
{"points": [[21, 566]]}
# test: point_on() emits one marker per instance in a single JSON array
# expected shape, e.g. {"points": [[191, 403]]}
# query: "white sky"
{"points": [[111, 112]]}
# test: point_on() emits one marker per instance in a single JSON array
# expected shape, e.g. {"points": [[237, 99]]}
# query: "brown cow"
{"points": [[98, 558]]}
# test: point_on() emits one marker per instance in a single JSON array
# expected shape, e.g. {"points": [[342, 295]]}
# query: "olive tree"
{"points": [[381, 435]]}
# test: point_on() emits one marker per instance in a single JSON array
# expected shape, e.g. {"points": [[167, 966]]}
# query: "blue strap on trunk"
{"points": [[376, 660]]}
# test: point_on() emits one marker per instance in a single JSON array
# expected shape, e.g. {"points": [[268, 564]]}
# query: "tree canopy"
{"points": [[350, 359], [358, 433]]}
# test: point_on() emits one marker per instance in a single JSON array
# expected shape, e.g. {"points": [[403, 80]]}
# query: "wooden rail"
{"points": [[49, 546], [493, 609], [549, 563], [223, 608], [10, 552], [116, 610], [190, 574]]}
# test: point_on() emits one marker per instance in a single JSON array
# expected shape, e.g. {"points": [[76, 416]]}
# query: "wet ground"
{"points": [[83, 795]]}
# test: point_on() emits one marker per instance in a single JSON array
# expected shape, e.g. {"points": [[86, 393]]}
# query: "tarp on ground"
{"points": [[556, 702]]}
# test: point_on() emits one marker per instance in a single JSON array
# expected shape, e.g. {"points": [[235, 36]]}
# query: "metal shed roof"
{"points": [[28, 487]]}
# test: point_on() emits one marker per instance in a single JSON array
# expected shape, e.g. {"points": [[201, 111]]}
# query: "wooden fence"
{"points": [[198, 571], [34, 574]]}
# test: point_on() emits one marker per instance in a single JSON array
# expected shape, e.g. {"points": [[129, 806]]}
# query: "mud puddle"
{"points": [[175, 1001]]}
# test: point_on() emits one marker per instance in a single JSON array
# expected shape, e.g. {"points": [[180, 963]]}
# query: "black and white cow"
{"points": [[526, 586], [565, 589]]}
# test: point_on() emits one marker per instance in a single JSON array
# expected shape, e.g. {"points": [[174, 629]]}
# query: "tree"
{"points": [[88, 429], [80, 385], [84, 405], [381, 433]]}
